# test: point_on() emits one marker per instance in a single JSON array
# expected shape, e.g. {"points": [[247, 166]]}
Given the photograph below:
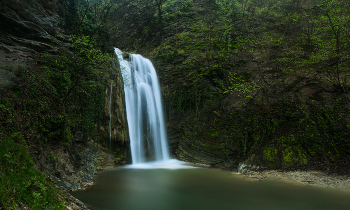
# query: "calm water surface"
{"points": [[182, 189]]}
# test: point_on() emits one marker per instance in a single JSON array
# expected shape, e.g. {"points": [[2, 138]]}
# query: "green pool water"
{"points": [[182, 189]]}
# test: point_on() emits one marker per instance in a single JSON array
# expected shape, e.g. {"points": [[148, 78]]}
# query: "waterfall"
{"points": [[144, 110], [110, 115]]}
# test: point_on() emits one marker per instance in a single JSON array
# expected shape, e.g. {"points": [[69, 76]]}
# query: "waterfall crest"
{"points": [[148, 140]]}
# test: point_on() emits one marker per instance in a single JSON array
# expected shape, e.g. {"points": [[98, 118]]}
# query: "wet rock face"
{"points": [[26, 28], [36, 19], [118, 118], [173, 141], [198, 153], [74, 167]]}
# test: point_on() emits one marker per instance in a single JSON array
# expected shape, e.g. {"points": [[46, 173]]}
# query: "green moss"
{"points": [[294, 157], [21, 184], [269, 157]]}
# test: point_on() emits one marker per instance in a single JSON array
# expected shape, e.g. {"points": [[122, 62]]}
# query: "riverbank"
{"points": [[70, 171], [312, 178]]}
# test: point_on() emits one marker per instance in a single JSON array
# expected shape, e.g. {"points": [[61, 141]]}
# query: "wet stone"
{"points": [[75, 186], [66, 185]]}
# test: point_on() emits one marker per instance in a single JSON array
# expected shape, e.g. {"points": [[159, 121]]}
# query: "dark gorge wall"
{"points": [[53, 105], [33, 28]]}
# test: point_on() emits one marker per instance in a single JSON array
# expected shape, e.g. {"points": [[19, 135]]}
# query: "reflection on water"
{"points": [[164, 189]]}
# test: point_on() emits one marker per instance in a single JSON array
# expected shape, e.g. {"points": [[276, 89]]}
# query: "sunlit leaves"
{"points": [[241, 86]]}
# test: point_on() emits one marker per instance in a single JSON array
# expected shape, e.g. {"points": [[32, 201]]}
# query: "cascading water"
{"points": [[144, 110]]}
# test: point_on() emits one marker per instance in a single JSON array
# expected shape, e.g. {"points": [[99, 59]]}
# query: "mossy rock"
{"points": [[292, 154], [270, 157], [294, 157], [126, 55]]}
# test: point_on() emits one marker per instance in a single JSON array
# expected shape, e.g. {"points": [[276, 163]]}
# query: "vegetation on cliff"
{"points": [[61, 95], [21, 183], [244, 77]]}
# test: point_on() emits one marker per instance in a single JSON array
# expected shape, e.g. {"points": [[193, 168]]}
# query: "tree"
{"points": [[86, 61], [160, 12]]}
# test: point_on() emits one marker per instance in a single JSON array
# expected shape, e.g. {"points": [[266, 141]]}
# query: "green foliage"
{"points": [[177, 10], [205, 60], [292, 154], [284, 134], [285, 39], [21, 184], [89, 18], [294, 157], [269, 157], [76, 77], [63, 94], [310, 39], [244, 89]]}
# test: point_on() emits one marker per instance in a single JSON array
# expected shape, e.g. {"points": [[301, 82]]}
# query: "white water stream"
{"points": [[148, 140]]}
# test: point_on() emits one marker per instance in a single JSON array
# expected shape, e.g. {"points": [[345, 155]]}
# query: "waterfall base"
{"points": [[169, 164]]}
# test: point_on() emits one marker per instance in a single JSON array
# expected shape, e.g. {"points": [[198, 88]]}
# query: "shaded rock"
{"points": [[27, 18], [126, 56], [197, 152], [248, 165], [39, 46], [244, 167], [173, 141], [8, 80], [13, 57], [313, 178], [118, 122], [29, 23], [88, 177], [75, 186], [66, 184], [57, 174], [78, 136]]}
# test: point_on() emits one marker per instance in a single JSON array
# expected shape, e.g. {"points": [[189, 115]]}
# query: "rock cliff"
{"points": [[30, 29]]}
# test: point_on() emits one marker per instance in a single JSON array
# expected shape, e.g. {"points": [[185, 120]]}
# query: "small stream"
{"points": [[197, 188]]}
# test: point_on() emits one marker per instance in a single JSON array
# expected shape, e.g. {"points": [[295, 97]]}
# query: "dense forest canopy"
{"points": [[313, 34]]}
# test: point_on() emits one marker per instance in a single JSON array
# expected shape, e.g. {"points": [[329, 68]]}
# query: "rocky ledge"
{"points": [[312, 178], [73, 168]]}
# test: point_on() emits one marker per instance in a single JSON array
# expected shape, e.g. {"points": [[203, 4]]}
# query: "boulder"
{"points": [[75, 186], [67, 185], [251, 164]]}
